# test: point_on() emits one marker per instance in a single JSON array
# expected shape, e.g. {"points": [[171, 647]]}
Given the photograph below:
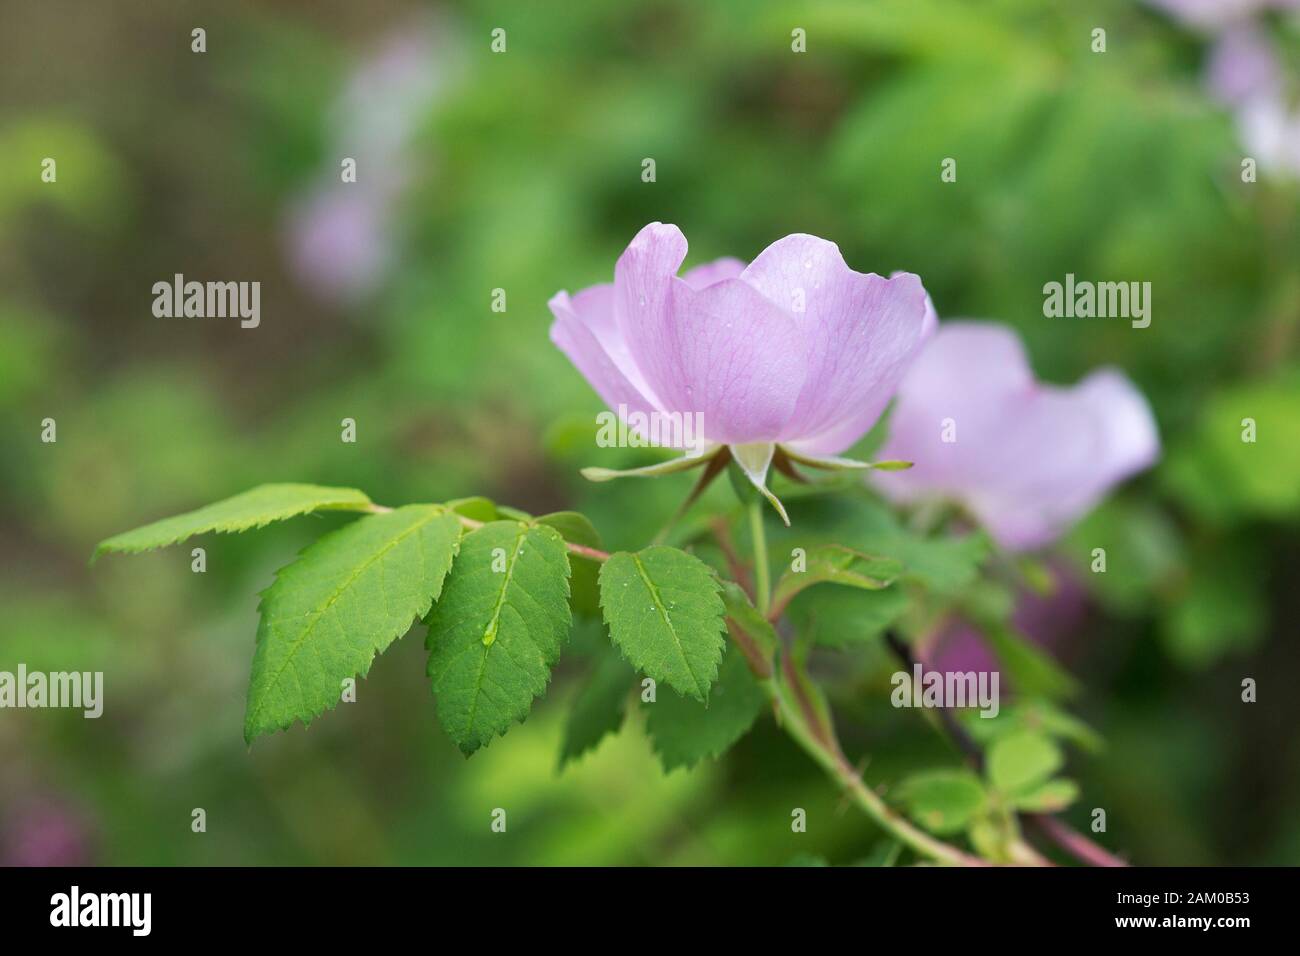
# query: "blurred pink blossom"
{"points": [[45, 832], [340, 235], [1245, 73], [1025, 458]]}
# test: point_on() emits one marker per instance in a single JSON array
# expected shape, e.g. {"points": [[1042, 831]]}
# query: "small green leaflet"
{"points": [[345, 599], [1051, 797], [684, 731], [1033, 715], [599, 707], [497, 631], [943, 565], [665, 615], [836, 564], [1020, 761], [844, 617], [942, 801], [251, 509], [476, 508], [583, 587]]}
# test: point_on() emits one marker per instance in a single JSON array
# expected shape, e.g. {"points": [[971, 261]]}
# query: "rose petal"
{"points": [[585, 331], [735, 358], [643, 276], [1131, 441], [931, 323], [860, 330], [1042, 471]]}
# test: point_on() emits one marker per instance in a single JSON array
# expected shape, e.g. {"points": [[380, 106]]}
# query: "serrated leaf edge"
{"points": [[659, 605], [437, 511]]}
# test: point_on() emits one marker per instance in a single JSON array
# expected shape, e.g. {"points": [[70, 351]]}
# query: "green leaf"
{"points": [[1022, 760], [839, 618], [1033, 715], [497, 631], [345, 599], [836, 564], [684, 731], [477, 508], [1051, 797], [989, 834], [944, 565], [252, 509], [598, 708], [1040, 715], [573, 527], [665, 615], [942, 801], [584, 589]]}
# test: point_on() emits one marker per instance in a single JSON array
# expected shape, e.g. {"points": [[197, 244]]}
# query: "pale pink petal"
{"points": [[1243, 65], [585, 331], [1041, 468], [732, 356], [1131, 441], [931, 323], [1067, 449], [643, 277], [860, 332]]}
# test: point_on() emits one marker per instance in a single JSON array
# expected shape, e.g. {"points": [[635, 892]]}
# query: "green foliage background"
{"points": [[524, 174]]}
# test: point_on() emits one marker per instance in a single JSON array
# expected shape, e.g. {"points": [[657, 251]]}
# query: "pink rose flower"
{"points": [[795, 354], [1026, 459]]}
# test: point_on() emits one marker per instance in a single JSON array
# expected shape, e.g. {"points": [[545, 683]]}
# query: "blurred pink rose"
{"points": [[1025, 458]]}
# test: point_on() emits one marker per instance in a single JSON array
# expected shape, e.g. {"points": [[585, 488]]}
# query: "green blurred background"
{"points": [[522, 171]]}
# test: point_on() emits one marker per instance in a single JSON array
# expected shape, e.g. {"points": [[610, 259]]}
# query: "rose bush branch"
{"points": [[786, 362]]}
